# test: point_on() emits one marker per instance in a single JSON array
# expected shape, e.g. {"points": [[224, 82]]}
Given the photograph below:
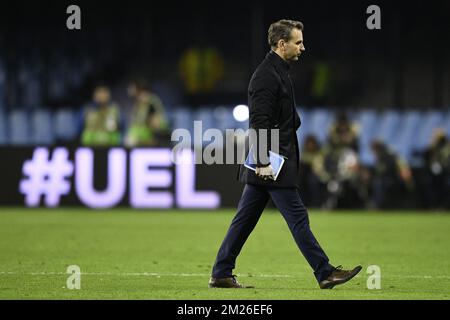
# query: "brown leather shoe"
{"points": [[339, 276], [230, 282]]}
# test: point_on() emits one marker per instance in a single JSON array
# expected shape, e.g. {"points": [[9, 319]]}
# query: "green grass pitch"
{"points": [[132, 254]]}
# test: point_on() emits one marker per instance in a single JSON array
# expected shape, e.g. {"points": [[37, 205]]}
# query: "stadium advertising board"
{"points": [[105, 178]]}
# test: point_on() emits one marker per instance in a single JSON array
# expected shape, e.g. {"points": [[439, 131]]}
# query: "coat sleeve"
{"points": [[262, 104]]}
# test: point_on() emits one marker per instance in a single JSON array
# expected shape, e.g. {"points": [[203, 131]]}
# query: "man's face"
{"points": [[102, 95], [132, 91], [293, 48]]}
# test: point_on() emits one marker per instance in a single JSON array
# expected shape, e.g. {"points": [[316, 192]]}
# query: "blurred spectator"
{"points": [[435, 180], [332, 176], [200, 69], [101, 120], [346, 186], [147, 123], [321, 82], [312, 173], [392, 177], [338, 166], [343, 133]]}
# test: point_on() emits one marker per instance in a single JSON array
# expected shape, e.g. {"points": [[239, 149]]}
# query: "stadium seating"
{"points": [[19, 129], [3, 129], [403, 142], [42, 128], [405, 131], [224, 119], [389, 125], [305, 126], [181, 118], [368, 121], [431, 120], [66, 125], [447, 123], [320, 120]]}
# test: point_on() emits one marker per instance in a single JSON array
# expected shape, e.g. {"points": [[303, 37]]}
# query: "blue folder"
{"points": [[276, 161]]}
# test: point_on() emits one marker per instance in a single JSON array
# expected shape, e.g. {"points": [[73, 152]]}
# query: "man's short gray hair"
{"points": [[282, 30]]}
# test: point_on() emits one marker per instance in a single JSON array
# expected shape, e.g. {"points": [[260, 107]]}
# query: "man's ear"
{"points": [[281, 43]]}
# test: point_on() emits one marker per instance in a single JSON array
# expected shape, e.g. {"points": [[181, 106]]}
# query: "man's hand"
{"points": [[265, 172]]}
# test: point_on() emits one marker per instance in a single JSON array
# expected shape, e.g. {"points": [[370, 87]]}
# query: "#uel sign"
{"points": [[149, 175]]}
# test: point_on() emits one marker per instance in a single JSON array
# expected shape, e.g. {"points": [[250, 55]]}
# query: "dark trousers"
{"points": [[252, 203]]}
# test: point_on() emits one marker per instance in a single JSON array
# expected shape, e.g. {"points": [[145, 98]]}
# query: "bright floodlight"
{"points": [[240, 113]]}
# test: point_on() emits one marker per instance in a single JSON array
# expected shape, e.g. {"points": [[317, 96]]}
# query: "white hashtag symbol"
{"points": [[46, 177]]}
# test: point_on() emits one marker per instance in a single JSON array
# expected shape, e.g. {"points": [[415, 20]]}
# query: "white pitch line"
{"points": [[153, 274], [140, 274]]}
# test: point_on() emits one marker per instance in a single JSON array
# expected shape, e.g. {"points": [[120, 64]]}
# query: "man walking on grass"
{"points": [[272, 106]]}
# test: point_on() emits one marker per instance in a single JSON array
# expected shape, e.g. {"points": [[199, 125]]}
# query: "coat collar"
{"points": [[276, 60]]}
